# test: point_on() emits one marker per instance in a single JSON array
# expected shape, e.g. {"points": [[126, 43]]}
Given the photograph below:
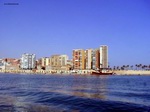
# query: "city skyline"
{"points": [[52, 27]]}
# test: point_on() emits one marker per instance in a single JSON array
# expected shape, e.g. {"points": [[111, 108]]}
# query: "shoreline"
{"points": [[79, 72], [132, 72]]}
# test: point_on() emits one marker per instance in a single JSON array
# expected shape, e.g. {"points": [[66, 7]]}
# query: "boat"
{"points": [[102, 72]]}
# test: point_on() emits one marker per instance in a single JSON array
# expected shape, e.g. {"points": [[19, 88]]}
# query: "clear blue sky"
{"points": [[47, 27]]}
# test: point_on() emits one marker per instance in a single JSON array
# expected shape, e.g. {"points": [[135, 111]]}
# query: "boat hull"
{"points": [[100, 73]]}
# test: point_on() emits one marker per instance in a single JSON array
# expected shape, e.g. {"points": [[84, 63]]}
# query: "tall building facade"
{"points": [[79, 59], [103, 56], [95, 59], [88, 56], [28, 61]]}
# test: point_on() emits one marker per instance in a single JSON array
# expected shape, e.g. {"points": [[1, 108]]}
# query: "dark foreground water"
{"points": [[57, 93]]}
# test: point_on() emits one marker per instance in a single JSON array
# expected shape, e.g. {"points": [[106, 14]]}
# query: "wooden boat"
{"points": [[102, 73]]}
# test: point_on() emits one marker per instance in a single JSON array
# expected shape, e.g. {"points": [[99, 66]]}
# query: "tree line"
{"points": [[131, 67]]}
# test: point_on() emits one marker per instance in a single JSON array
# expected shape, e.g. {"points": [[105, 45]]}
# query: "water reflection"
{"points": [[7, 100], [13, 104], [98, 90], [82, 87]]}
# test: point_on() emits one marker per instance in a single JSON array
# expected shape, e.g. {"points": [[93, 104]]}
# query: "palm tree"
{"points": [[140, 66], [117, 67], [143, 67], [131, 67], [127, 67], [136, 66], [123, 66], [114, 68]]}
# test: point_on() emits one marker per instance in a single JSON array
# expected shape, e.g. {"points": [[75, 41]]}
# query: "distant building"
{"points": [[45, 61], [2, 64], [9, 64], [70, 64], [95, 59], [57, 62], [79, 59], [28, 61], [88, 57], [63, 60], [103, 56], [39, 64]]}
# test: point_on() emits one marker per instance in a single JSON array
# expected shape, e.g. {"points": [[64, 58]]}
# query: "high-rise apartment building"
{"points": [[79, 59], [95, 59], [103, 56], [88, 56], [28, 61]]}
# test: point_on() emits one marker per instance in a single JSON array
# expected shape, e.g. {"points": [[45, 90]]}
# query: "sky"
{"points": [[47, 27]]}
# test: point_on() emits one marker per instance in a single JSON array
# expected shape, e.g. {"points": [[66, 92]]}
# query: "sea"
{"points": [[74, 93]]}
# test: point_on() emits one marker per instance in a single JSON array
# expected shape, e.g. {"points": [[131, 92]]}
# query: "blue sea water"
{"points": [[71, 93]]}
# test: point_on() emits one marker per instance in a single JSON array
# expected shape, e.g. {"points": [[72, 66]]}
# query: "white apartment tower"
{"points": [[28, 61], [103, 56]]}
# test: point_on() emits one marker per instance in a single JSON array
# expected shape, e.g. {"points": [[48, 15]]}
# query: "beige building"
{"points": [[103, 56], [58, 62], [95, 59], [88, 56], [45, 61], [78, 59], [55, 62], [69, 62]]}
